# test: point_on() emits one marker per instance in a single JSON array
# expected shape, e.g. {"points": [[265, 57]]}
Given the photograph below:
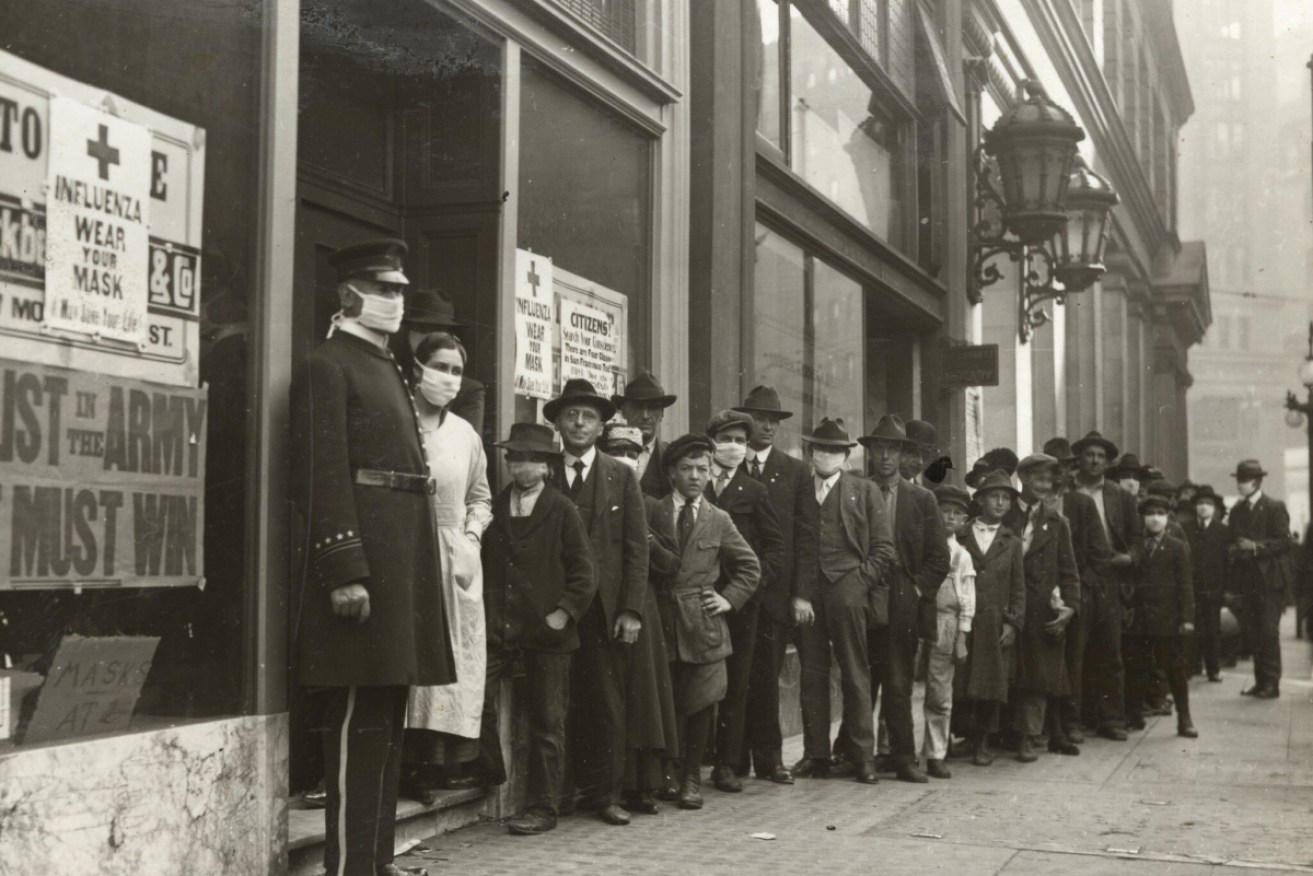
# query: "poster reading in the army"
{"points": [[101, 480], [534, 309], [100, 229], [97, 221]]}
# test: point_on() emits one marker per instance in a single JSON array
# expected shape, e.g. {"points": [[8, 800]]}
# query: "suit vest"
{"points": [[836, 556]]}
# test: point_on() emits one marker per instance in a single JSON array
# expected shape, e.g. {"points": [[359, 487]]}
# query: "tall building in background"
{"points": [[1245, 188]]}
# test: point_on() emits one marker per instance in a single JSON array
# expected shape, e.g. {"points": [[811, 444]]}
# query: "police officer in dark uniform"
{"points": [[370, 616]]}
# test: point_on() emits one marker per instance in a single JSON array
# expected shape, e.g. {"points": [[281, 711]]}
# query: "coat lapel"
{"points": [[848, 510], [1045, 525]]}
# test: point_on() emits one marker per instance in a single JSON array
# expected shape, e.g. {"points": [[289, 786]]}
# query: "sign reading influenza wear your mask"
{"points": [[100, 229]]}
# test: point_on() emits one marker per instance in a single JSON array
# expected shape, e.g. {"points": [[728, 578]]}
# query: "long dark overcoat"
{"points": [[1164, 588], [1041, 665], [789, 483], [1000, 598]]}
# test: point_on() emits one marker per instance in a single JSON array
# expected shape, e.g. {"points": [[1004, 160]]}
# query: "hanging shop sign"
{"points": [[101, 480], [100, 229], [534, 311], [970, 365]]}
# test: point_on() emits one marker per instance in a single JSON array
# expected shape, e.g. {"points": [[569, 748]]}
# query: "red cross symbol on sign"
{"points": [[534, 279], [104, 153]]}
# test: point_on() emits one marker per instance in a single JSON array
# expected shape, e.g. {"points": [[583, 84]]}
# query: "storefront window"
{"points": [[768, 93], [130, 522], [807, 339]]}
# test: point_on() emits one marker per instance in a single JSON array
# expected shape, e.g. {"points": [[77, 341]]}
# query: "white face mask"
{"points": [[827, 462], [438, 387], [379, 312], [1205, 510], [1155, 523], [627, 462], [527, 475], [730, 454], [1247, 488]]}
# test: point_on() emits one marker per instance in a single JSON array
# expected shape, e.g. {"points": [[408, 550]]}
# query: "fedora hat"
{"points": [[889, 428], [579, 391], [998, 479], [729, 418], [1060, 449], [619, 436], [685, 445], [530, 438], [1038, 460], [978, 472], [1249, 470], [431, 308], [763, 400], [830, 433], [947, 494], [1205, 491], [1125, 466], [378, 260], [644, 389], [923, 433], [1094, 439]]}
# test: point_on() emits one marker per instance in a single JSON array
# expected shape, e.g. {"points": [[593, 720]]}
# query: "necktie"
{"points": [[756, 467], [885, 490], [1028, 528], [822, 490], [721, 482], [578, 478], [685, 524]]}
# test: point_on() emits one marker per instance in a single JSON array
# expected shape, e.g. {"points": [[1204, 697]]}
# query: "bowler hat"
{"points": [[978, 471], [1059, 448], [579, 391], [431, 308], [830, 433], [1161, 487], [947, 494], [644, 389], [998, 479], [1151, 473], [889, 428], [1249, 470], [923, 433], [1126, 466], [1155, 501], [763, 400], [618, 436], [728, 418], [530, 438], [377, 260], [1094, 439], [1037, 460], [936, 471], [686, 445], [1206, 492]]}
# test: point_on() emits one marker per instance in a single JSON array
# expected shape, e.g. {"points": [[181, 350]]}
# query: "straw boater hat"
{"points": [[998, 479], [620, 437], [377, 260], [725, 419], [644, 389], [1249, 470], [889, 428], [830, 433], [1126, 466], [763, 400], [1094, 439], [579, 391], [431, 309], [530, 438]]}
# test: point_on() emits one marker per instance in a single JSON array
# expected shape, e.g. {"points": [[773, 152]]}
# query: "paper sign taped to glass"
{"points": [[100, 229], [101, 480]]}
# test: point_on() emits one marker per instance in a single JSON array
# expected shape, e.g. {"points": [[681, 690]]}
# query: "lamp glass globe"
{"points": [[1294, 419]]}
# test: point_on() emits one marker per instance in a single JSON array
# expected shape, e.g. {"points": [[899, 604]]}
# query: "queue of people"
{"points": [[650, 589]]}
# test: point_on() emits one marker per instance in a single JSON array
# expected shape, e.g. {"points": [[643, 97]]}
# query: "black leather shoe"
{"points": [[1135, 723], [724, 779], [1267, 693], [1074, 734], [669, 790], [1026, 751], [1185, 727], [865, 774], [1059, 745], [884, 763], [842, 768], [394, 870], [780, 775], [983, 756], [640, 803], [935, 769], [1109, 731], [907, 771], [613, 814], [811, 768], [533, 822], [690, 793], [1216, 679]]}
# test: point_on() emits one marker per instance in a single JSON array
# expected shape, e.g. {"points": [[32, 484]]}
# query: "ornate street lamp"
{"points": [[1039, 204]]}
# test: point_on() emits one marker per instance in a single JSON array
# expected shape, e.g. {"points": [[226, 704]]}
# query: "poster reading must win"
{"points": [[101, 480]]}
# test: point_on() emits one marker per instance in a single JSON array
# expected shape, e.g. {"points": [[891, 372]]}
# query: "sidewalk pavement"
{"points": [[1239, 797]]}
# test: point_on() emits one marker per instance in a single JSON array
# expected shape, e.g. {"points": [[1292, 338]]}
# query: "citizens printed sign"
{"points": [[101, 480], [100, 229], [590, 343]]}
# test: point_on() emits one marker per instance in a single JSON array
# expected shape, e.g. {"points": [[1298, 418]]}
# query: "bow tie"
{"points": [[986, 527]]}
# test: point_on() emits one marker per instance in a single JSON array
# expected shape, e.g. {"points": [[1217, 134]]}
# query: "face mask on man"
{"points": [[1155, 522], [827, 462], [1247, 488], [1205, 510], [527, 475], [628, 462], [438, 387], [381, 313], [730, 454]]}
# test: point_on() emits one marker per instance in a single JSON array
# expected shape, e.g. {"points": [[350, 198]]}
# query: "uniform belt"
{"points": [[396, 480]]}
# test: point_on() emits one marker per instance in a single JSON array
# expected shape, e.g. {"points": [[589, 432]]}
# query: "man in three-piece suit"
{"points": [[1090, 544], [1260, 532], [836, 608], [1210, 545], [1103, 674], [788, 482], [920, 565], [371, 620], [734, 491], [643, 404], [611, 506]]}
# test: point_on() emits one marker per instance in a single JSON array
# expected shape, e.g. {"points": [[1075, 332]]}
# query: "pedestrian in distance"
{"points": [[1260, 531]]}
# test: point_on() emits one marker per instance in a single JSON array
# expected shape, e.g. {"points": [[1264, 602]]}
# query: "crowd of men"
{"points": [[650, 589]]}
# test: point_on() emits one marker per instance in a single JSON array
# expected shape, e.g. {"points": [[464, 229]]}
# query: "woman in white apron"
{"points": [[442, 723]]}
